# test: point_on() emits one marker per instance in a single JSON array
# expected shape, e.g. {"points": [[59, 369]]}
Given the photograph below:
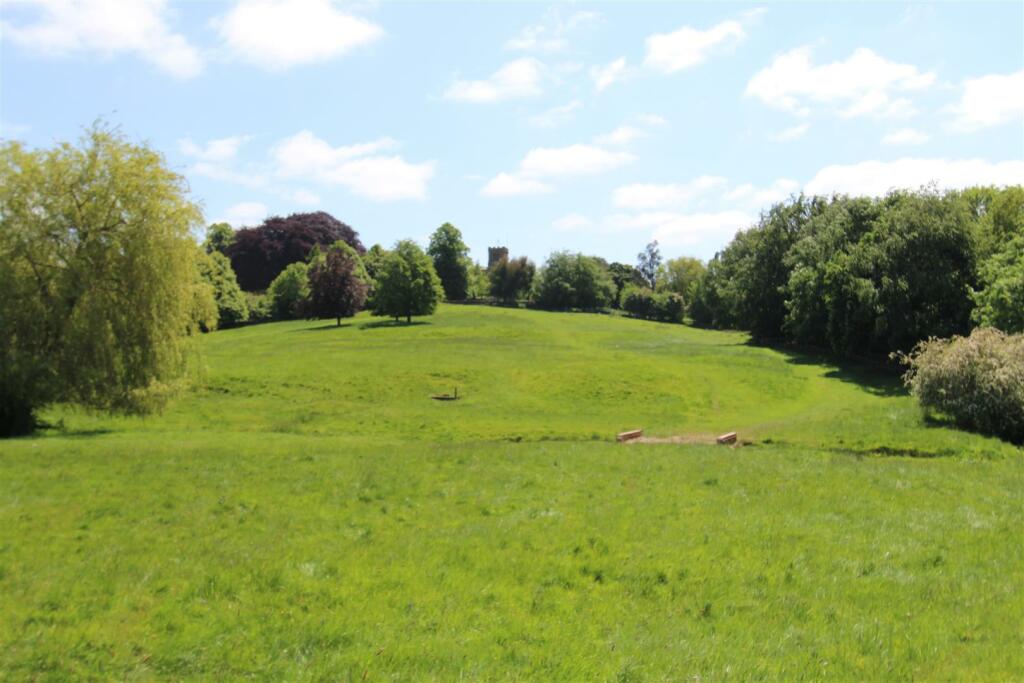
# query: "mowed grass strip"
{"points": [[309, 514]]}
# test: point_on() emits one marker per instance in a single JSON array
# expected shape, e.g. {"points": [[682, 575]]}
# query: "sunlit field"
{"points": [[307, 512]]}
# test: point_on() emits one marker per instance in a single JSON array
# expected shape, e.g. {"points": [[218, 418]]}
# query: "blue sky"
{"points": [[591, 127]]}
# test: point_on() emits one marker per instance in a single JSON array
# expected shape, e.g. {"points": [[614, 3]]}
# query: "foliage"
{"points": [[258, 255], [289, 292], [1000, 300], [623, 275], [857, 275], [260, 305], [407, 283], [680, 275], [641, 302], [648, 263], [976, 380], [337, 283], [451, 261], [373, 260], [511, 279], [219, 237], [479, 282], [98, 274], [232, 308], [569, 281]]}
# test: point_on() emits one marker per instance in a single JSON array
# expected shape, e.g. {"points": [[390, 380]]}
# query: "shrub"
{"points": [[978, 380], [637, 301], [668, 307], [641, 302], [261, 308], [289, 291]]}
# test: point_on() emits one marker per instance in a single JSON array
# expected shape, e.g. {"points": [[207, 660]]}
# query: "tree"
{"points": [[479, 282], [407, 284], [451, 261], [623, 276], [1000, 301], [289, 292], [337, 283], [511, 278], [570, 281], [648, 262], [215, 269], [373, 260], [219, 237], [680, 275], [259, 254], [98, 275]]}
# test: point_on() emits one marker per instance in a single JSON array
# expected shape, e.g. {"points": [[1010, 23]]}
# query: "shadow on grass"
{"points": [[391, 323], [321, 328], [874, 377]]}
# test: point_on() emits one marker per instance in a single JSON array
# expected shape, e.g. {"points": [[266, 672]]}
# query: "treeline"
{"points": [[864, 276]]}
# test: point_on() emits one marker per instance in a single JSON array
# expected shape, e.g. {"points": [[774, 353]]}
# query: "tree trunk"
{"points": [[408, 320], [339, 321]]}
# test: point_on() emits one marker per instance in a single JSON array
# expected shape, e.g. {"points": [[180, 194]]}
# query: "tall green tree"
{"points": [[451, 261], [98, 277], [648, 262], [289, 292], [219, 237], [232, 306], [511, 278], [570, 281], [407, 283], [680, 275], [1000, 300], [338, 283]]}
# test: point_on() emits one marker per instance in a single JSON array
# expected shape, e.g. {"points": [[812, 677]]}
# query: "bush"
{"points": [[978, 381], [261, 308], [289, 292], [641, 302]]}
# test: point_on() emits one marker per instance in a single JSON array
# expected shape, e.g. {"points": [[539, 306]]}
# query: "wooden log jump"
{"points": [[630, 435]]}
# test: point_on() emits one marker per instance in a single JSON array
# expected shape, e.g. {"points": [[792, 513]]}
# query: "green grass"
{"points": [[308, 513]]}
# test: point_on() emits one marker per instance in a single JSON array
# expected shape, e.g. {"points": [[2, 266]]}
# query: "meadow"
{"points": [[306, 512]]}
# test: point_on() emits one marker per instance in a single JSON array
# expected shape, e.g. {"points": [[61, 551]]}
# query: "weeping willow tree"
{"points": [[100, 288]]}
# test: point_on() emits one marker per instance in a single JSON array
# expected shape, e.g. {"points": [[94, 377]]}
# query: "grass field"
{"points": [[308, 513]]}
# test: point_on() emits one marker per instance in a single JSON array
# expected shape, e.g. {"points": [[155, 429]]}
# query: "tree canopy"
{"points": [[259, 254], [451, 261], [407, 283], [511, 278], [569, 281], [338, 283], [98, 272]]}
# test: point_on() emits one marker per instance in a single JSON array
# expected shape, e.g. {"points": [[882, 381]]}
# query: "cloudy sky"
{"points": [[594, 127]]}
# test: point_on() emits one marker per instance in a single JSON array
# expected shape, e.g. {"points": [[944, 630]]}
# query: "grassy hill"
{"points": [[308, 512]]}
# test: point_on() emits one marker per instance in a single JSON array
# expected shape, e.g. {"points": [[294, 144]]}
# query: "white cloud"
{"points": [[791, 133], [245, 213], [875, 178], [214, 151], [863, 84], [571, 223], [107, 27], [513, 185], [278, 34], [572, 160], [675, 229], [989, 101], [651, 196], [623, 135], [552, 33], [604, 76], [556, 115], [906, 136], [304, 153], [688, 47], [303, 197], [357, 167], [516, 79], [759, 197]]}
